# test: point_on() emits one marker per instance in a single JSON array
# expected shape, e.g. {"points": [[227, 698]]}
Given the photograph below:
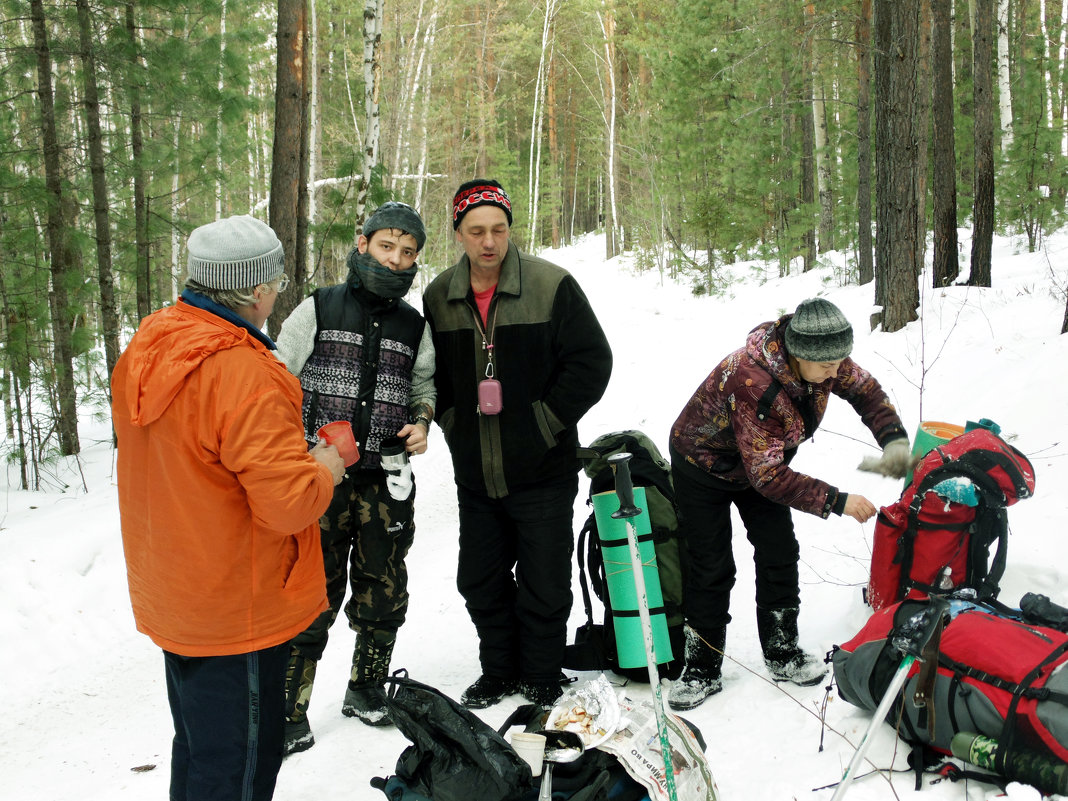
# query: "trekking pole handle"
{"points": [[624, 485], [912, 636]]}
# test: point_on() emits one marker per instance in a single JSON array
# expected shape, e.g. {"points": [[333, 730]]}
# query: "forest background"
{"points": [[691, 134]]}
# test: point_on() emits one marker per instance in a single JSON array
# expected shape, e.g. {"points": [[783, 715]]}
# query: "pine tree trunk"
{"points": [[897, 31], [1062, 65], [59, 224], [142, 266], [866, 268], [922, 128], [289, 154], [109, 318], [944, 166], [808, 177], [290, 299], [983, 98], [554, 152], [219, 117]]}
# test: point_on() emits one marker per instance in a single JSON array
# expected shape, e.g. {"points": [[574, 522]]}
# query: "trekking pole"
{"points": [[627, 512], [910, 638]]}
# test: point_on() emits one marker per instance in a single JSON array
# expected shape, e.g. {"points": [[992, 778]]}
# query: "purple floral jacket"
{"points": [[745, 421]]}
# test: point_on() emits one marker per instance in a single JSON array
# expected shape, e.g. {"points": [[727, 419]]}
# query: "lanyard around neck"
{"points": [[487, 337]]}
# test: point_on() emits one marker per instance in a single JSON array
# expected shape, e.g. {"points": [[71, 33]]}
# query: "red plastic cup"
{"points": [[339, 434]]}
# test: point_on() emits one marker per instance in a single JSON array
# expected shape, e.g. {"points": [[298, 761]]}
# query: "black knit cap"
{"points": [[400, 216], [818, 332], [479, 192]]}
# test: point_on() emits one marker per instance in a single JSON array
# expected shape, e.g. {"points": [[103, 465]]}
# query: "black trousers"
{"points": [[521, 616], [229, 721], [705, 516]]}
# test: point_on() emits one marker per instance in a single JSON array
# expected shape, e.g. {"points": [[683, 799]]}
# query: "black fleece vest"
{"points": [[361, 366]]}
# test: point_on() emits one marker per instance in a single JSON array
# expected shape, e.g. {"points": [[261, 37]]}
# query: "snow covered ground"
{"points": [[85, 706]]}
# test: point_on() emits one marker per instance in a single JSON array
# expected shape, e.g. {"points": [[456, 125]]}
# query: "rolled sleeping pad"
{"points": [[930, 435], [615, 550]]}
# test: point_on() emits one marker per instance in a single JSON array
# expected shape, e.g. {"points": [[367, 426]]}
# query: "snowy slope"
{"points": [[85, 701]]}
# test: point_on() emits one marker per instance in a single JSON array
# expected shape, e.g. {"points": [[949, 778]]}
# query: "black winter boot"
{"points": [[487, 691], [300, 676], [782, 656], [365, 699], [701, 677]]}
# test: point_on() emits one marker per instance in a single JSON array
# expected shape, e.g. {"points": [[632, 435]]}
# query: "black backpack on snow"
{"points": [[595, 646], [455, 756]]}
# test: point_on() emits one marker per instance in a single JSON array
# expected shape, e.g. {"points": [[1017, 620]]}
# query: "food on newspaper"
{"points": [[591, 711]]}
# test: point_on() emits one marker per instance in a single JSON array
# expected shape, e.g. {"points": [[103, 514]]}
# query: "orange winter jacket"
{"points": [[219, 498]]}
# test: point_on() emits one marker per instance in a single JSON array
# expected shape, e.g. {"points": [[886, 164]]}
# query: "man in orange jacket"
{"points": [[219, 499]]}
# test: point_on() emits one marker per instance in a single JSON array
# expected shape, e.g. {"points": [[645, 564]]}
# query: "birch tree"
{"points": [[372, 81], [1004, 77], [142, 266], [613, 240], [537, 118], [819, 142]]}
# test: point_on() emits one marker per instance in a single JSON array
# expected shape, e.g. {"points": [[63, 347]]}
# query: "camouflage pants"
{"points": [[366, 535]]}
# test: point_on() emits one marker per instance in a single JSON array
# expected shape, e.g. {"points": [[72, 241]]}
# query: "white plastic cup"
{"points": [[531, 747]]}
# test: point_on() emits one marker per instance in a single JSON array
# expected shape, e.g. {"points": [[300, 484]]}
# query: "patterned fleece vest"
{"points": [[361, 367]]}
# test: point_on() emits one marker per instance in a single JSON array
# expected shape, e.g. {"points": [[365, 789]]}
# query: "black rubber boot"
{"points": [[702, 675], [782, 656], [300, 677], [365, 699], [487, 691]]}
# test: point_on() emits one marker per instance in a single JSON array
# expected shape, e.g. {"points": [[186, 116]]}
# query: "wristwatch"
{"points": [[424, 420]]}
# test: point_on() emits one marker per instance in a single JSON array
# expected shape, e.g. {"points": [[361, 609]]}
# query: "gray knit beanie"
{"points": [[400, 216], [234, 253], [818, 332]]}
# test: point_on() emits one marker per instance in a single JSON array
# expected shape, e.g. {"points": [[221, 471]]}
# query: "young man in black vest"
{"points": [[363, 355]]}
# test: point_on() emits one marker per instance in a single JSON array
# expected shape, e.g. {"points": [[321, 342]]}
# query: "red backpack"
{"points": [[1000, 673], [926, 543]]}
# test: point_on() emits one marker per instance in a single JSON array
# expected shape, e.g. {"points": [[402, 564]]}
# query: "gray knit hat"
{"points": [[234, 253], [818, 332], [400, 216]]}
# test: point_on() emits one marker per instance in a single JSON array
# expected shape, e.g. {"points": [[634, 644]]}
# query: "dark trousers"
{"points": [[365, 535], [705, 517], [521, 618], [229, 719]]}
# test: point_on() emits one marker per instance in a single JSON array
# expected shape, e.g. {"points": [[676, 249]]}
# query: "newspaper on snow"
{"points": [[636, 744]]}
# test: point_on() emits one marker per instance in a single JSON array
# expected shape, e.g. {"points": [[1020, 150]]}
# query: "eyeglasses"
{"points": [[283, 282]]}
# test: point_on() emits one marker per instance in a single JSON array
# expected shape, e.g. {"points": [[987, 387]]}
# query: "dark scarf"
{"points": [[206, 303], [367, 272]]}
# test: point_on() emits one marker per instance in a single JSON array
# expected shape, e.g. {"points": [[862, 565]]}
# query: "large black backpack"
{"points": [[595, 646], [455, 756]]}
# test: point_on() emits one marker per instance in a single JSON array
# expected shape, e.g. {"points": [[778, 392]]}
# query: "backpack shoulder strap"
{"points": [[585, 539], [767, 399]]}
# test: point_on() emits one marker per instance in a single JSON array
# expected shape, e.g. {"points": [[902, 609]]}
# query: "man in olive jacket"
{"points": [[521, 358]]}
